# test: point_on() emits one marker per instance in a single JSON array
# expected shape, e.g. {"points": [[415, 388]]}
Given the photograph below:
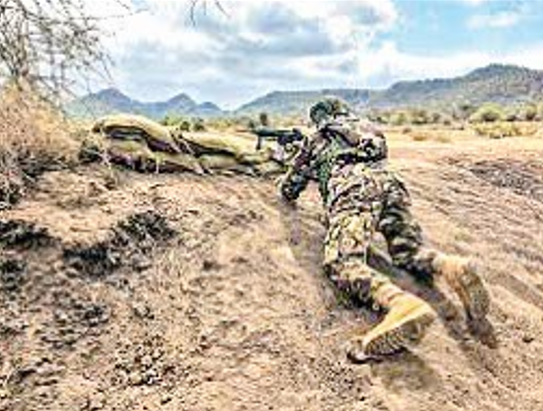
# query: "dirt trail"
{"points": [[232, 312]]}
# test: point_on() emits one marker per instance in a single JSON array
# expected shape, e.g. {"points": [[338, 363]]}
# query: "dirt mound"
{"points": [[165, 292], [130, 245]]}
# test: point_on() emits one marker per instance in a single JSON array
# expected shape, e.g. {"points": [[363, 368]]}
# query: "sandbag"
{"points": [[225, 163], [139, 157], [138, 128], [220, 143], [144, 145], [178, 163], [127, 153]]}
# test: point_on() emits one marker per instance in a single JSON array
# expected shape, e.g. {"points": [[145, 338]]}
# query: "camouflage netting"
{"points": [[144, 145]]}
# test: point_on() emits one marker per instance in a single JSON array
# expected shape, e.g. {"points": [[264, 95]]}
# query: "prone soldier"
{"points": [[361, 198]]}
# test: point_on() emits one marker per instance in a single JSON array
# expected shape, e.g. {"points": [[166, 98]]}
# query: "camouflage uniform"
{"points": [[361, 197]]}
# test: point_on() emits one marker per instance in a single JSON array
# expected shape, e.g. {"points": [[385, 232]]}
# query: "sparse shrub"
{"points": [[511, 115], [34, 138], [184, 125], [463, 111], [488, 113], [420, 136], [171, 120], [433, 135], [198, 125], [264, 119], [506, 129], [419, 117], [398, 119], [179, 122], [529, 112]]}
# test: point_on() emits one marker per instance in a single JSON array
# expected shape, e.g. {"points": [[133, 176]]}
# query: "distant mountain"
{"points": [[111, 101], [297, 102], [504, 84]]}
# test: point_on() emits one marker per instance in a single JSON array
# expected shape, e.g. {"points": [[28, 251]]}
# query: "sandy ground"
{"points": [[99, 311]]}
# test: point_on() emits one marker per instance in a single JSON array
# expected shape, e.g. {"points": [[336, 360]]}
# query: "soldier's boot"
{"points": [[462, 276], [405, 323]]}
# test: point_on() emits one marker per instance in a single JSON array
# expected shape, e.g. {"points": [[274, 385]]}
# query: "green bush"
{"points": [[529, 112], [488, 113], [198, 125], [264, 119]]}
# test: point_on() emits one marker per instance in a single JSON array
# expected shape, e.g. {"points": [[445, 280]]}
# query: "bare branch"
{"points": [[50, 44]]}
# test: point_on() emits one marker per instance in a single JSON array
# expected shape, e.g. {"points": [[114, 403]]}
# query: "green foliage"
{"points": [[199, 125], [529, 112], [181, 123], [398, 118], [171, 120], [264, 119], [488, 113], [408, 116]]}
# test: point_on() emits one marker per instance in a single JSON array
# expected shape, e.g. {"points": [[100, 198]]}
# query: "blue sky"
{"points": [[263, 45]]}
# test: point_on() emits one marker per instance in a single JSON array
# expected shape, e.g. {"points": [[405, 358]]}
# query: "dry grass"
{"points": [[504, 129], [441, 136], [33, 138]]}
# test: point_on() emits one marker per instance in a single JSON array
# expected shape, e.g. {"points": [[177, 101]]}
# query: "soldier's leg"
{"points": [[405, 243], [407, 317]]}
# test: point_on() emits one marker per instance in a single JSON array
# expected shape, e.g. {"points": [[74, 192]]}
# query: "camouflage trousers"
{"points": [[361, 203]]}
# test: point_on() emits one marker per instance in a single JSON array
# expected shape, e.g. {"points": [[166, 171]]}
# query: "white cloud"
{"points": [[257, 46], [497, 20], [261, 46], [474, 2], [388, 64]]}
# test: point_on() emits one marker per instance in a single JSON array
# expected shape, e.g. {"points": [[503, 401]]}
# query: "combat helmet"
{"points": [[328, 110]]}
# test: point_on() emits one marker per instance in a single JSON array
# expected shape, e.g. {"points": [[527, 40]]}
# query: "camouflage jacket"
{"points": [[329, 150]]}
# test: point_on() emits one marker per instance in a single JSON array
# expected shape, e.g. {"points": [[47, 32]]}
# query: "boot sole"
{"points": [[473, 294], [408, 332]]}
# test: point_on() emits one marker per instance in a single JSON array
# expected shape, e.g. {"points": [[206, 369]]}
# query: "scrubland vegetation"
{"points": [[34, 138]]}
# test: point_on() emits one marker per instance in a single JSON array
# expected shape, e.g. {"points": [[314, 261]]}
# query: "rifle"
{"points": [[283, 137]]}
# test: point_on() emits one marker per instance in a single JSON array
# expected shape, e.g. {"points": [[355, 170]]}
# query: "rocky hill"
{"points": [[504, 84], [111, 101], [497, 83], [296, 102]]}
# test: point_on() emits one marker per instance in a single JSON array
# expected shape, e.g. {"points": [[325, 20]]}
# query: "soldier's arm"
{"points": [[374, 145], [370, 141], [299, 174]]}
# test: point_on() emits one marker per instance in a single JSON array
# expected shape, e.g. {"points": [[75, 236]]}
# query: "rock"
{"points": [[528, 338]]}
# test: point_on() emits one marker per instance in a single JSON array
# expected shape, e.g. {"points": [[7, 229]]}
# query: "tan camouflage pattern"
{"points": [[361, 198]]}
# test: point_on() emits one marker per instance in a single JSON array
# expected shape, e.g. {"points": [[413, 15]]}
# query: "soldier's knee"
{"points": [[352, 277]]}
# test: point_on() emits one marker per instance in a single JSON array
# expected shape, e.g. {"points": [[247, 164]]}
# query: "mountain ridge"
{"points": [[498, 83]]}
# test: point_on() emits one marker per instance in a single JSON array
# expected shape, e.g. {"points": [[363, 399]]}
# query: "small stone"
{"points": [[527, 338], [135, 378], [166, 399]]}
